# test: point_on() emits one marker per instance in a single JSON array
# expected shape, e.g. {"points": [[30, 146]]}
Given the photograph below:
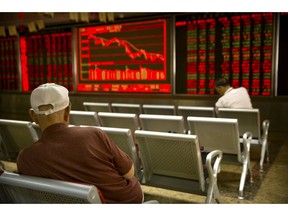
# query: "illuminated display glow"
{"points": [[128, 57], [237, 46]]}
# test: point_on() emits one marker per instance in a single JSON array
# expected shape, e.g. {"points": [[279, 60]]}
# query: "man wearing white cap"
{"points": [[76, 154]]}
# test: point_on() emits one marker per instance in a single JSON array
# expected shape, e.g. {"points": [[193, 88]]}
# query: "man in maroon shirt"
{"points": [[76, 154]]}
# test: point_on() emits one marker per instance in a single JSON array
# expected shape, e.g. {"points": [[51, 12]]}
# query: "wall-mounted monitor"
{"points": [[125, 57], [238, 46]]}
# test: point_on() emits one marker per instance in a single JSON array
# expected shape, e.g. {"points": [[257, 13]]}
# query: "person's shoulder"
{"points": [[85, 129], [239, 89], [242, 88], [29, 150]]}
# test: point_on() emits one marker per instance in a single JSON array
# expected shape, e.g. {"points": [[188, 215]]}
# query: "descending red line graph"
{"points": [[127, 57], [132, 51]]}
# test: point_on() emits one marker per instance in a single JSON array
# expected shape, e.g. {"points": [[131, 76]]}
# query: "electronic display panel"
{"points": [[46, 57], [236, 45], [283, 55], [9, 78], [125, 57]]}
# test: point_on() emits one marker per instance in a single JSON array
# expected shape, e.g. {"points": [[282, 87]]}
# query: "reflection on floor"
{"points": [[267, 187]]}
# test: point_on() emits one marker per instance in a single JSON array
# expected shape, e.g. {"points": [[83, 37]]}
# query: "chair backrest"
{"points": [[97, 107], [126, 108], [15, 135], [248, 119], [16, 188], [84, 118], [123, 138], [171, 155], [162, 123], [159, 109], [216, 133], [196, 111], [119, 120]]}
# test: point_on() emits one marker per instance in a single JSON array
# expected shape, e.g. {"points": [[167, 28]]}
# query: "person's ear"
{"points": [[33, 116], [67, 113]]}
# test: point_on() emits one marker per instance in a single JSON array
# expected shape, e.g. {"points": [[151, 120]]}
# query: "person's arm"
{"points": [[9, 166], [130, 174]]}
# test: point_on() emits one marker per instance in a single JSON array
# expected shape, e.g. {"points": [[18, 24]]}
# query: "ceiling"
{"points": [[56, 19]]}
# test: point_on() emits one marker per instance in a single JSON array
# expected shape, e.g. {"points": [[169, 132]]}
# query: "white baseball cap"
{"points": [[49, 94]]}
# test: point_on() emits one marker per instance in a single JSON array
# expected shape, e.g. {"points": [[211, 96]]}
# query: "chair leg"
{"points": [[267, 152], [213, 193], [264, 150], [217, 196], [242, 181], [250, 172], [264, 141], [210, 191], [208, 199]]}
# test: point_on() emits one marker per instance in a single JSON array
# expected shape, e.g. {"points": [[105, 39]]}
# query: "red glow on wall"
{"points": [[24, 69]]}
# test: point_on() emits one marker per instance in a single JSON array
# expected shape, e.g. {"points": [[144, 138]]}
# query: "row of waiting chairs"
{"points": [[186, 170], [149, 109], [248, 120], [228, 142], [18, 188], [129, 120]]}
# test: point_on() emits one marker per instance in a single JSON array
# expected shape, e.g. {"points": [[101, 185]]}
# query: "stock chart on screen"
{"points": [[126, 57]]}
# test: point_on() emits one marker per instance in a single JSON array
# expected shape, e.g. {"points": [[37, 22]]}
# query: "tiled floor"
{"points": [[268, 187]]}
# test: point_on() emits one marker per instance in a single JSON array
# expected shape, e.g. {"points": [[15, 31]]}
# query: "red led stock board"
{"points": [[128, 57], [8, 64], [238, 46], [46, 58]]}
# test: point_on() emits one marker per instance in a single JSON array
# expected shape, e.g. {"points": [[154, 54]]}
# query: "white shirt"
{"points": [[235, 98]]}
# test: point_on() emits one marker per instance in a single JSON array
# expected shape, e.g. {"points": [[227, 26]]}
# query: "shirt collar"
{"points": [[228, 90], [53, 128]]}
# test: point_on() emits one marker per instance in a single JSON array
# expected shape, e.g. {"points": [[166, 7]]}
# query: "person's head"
{"points": [[221, 85], [50, 104]]}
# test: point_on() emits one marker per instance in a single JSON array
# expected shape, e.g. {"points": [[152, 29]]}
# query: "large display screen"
{"points": [[238, 46], [46, 57], [283, 55], [8, 64], [127, 57]]}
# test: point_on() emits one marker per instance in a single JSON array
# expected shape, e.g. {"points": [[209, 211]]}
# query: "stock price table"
{"points": [[238, 46]]}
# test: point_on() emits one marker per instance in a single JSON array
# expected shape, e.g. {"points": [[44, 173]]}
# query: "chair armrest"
{"points": [[151, 202], [214, 158], [247, 139], [215, 168], [265, 128], [1, 171]]}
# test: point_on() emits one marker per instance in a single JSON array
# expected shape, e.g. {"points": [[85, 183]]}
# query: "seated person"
{"points": [[76, 154], [231, 97]]}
